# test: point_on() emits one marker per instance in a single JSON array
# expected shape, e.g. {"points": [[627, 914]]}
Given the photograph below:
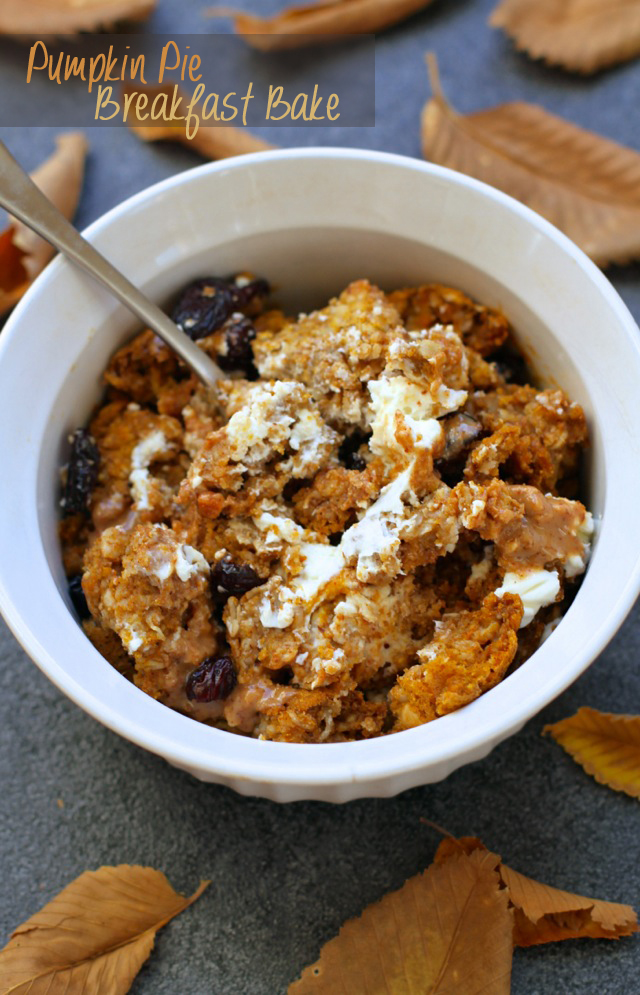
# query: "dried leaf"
{"points": [[13, 275], [585, 184], [210, 141], [92, 937], [35, 18], [298, 26], [606, 745], [543, 914], [583, 35], [23, 254], [450, 846], [60, 178], [447, 930]]}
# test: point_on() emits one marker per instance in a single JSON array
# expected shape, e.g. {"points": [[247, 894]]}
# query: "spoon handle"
{"points": [[22, 198]]}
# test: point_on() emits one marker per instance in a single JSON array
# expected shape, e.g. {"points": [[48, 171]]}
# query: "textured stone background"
{"points": [[74, 795]]}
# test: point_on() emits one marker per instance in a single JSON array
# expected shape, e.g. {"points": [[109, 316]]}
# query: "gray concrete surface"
{"points": [[74, 796]]}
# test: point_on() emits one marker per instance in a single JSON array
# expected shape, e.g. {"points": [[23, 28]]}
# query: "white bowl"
{"points": [[311, 220]]}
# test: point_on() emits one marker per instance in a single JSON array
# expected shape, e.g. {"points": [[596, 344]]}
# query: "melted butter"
{"points": [[246, 701]]}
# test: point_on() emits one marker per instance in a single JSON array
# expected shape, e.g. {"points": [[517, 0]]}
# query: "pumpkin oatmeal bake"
{"points": [[361, 529]]}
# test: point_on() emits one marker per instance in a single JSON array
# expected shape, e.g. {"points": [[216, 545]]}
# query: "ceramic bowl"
{"points": [[311, 220]]}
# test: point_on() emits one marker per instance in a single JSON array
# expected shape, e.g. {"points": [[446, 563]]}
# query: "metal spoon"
{"points": [[22, 198]]}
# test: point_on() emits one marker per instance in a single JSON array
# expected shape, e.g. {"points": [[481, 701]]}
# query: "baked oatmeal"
{"points": [[361, 529]]}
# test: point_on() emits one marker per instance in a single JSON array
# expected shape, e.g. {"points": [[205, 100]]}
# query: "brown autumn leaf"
{"points": [[585, 184], [13, 278], [35, 18], [543, 914], [446, 930], [607, 746], [92, 937], [211, 141], [23, 254], [582, 35], [297, 26]]}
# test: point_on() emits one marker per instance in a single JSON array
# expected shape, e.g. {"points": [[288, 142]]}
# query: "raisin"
{"points": [[204, 306], [348, 451], [229, 578], [511, 365], [77, 596], [238, 336], [247, 293], [213, 680], [356, 462], [82, 472], [282, 676], [460, 430]]}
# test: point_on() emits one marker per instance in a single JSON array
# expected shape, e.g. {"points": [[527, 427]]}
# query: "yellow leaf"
{"points": [[450, 846], [585, 184], [543, 914], [583, 35], [306, 25], [210, 141], [94, 936], [606, 745], [35, 18], [23, 254], [446, 930]]}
